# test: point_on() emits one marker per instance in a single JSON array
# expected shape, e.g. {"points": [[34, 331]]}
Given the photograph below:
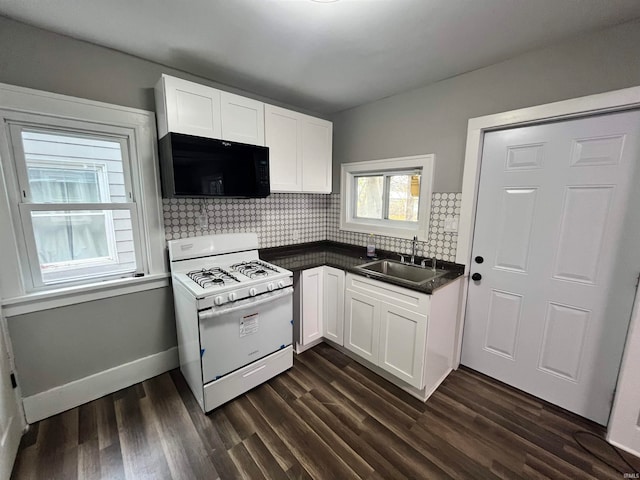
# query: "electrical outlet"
{"points": [[450, 224], [295, 236]]}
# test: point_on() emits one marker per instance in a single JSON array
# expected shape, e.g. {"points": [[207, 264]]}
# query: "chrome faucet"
{"points": [[413, 249], [423, 264]]}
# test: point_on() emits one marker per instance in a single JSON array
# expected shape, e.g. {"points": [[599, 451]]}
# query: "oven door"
{"points": [[234, 336]]}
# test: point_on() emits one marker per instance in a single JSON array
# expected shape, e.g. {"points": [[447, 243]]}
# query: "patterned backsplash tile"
{"points": [[290, 218], [440, 245]]}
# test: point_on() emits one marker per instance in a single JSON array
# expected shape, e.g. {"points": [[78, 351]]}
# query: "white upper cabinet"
{"points": [[300, 151], [316, 155], [194, 109], [242, 119], [283, 137], [187, 107]]}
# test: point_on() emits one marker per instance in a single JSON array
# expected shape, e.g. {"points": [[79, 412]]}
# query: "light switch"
{"points": [[450, 224]]}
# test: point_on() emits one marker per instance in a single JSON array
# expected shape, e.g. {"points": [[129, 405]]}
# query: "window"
{"points": [[388, 197], [76, 208]]}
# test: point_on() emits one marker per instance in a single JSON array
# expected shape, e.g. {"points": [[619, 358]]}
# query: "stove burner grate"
{"points": [[212, 277], [254, 269]]}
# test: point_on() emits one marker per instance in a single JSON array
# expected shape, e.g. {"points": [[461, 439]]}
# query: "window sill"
{"points": [[384, 230], [61, 297]]}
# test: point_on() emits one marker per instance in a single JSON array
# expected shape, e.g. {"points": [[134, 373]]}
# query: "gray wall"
{"points": [[40, 59], [60, 345], [433, 119]]}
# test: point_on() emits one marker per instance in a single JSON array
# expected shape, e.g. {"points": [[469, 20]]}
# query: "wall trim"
{"points": [[59, 399], [35, 302]]}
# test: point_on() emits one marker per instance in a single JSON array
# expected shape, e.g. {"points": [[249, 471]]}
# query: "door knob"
{"points": [[476, 277], [479, 259]]}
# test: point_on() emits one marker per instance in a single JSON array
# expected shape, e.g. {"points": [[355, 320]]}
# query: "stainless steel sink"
{"points": [[401, 271]]}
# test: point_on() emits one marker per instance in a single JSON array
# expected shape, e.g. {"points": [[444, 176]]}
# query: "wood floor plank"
{"points": [[89, 460], [351, 437], [267, 463], [209, 436], [111, 463], [142, 456], [312, 452], [326, 417], [404, 456], [247, 466]]}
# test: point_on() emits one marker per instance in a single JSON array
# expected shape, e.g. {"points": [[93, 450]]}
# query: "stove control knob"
{"points": [[232, 297], [253, 292], [281, 284], [218, 300], [270, 287]]}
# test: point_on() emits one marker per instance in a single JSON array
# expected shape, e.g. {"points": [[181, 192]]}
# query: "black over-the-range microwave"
{"points": [[205, 167]]}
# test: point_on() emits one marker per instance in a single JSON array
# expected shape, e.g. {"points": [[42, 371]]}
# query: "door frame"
{"points": [[607, 102]]}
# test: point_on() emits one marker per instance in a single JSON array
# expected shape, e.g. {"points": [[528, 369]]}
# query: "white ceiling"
{"points": [[324, 57]]}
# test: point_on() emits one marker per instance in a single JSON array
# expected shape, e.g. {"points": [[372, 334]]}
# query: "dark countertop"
{"points": [[347, 257]]}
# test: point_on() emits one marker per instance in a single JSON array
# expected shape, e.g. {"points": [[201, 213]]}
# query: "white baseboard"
{"points": [[627, 449], [70, 395]]}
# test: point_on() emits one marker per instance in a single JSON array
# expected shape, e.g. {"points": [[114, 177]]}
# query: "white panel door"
{"points": [[333, 322], [403, 339], [317, 138], [362, 325], [10, 418], [242, 119], [192, 109], [550, 313], [312, 305], [283, 136]]}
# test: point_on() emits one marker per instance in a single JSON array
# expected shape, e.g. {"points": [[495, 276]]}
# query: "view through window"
{"points": [[74, 183]]}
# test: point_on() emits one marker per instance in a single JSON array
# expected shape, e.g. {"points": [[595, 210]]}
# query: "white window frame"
{"points": [[394, 228], [134, 127], [94, 269]]}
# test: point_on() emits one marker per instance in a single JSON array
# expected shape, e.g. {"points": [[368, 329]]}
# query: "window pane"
{"points": [[404, 196], [67, 169], [369, 200], [83, 244]]}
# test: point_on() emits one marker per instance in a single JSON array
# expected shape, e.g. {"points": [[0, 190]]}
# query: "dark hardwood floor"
{"points": [[327, 417]]}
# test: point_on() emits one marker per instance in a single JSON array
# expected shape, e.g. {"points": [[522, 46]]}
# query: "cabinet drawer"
{"points": [[402, 297]]}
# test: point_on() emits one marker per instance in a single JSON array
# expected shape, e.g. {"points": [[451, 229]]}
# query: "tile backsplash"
{"points": [[280, 219], [440, 245], [290, 218]]}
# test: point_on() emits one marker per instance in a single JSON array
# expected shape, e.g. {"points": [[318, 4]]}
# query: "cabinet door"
{"points": [[317, 138], [312, 305], [403, 338], [362, 325], [191, 108], [333, 321], [284, 139], [242, 119]]}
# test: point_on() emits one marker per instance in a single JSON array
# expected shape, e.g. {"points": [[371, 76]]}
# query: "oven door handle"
{"points": [[215, 312]]}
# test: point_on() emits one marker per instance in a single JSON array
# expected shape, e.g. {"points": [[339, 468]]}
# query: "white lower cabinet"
{"points": [[387, 326], [311, 284], [333, 306], [362, 325], [319, 306], [402, 334], [403, 338]]}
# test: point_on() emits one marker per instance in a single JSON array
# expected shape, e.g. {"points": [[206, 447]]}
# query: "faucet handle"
{"points": [[423, 263], [402, 260]]}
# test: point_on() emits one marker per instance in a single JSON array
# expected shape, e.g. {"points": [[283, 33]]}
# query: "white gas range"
{"points": [[234, 315]]}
